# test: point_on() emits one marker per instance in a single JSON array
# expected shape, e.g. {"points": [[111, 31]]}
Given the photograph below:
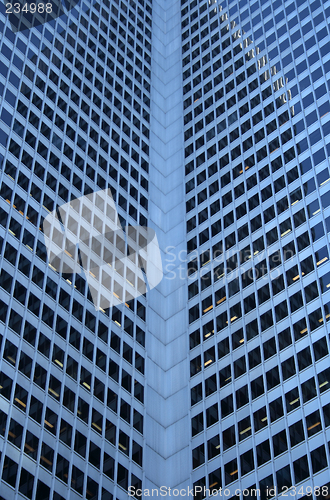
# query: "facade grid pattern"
{"points": [[78, 96], [75, 115], [257, 197]]}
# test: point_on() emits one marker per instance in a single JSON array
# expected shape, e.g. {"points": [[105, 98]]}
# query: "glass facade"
{"points": [[86, 395], [75, 114], [256, 134]]}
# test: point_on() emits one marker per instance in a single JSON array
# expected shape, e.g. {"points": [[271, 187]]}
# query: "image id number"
{"points": [[16, 8], [317, 491]]}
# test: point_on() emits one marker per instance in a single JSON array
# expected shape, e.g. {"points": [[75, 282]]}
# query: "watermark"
{"points": [[199, 491], [203, 492], [120, 264], [85, 235], [229, 264], [25, 15]]}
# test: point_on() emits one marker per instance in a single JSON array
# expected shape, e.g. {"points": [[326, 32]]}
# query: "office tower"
{"points": [[209, 123], [75, 115], [256, 125]]}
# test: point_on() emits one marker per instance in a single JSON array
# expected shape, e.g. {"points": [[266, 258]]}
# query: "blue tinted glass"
{"points": [[3, 138], [320, 91], [10, 35], [298, 51], [17, 61], [6, 117], [266, 11], [14, 79], [271, 39], [21, 45], [282, 30], [313, 207], [9, 96], [35, 40], [326, 128], [313, 58], [311, 118], [6, 51], [315, 137], [299, 127], [308, 100], [304, 83], [310, 42], [18, 128], [324, 109], [293, 22], [307, 27], [290, 8], [319, 156]]}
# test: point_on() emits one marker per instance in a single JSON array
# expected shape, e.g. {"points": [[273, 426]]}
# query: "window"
{"points": [[280, 444], [210, 385], [15, 432], [94, 455], [225, 375], [77, 480], [263, 453], [31, 445], [197, 424], [83, 410], [283, 478], [320, 348], [239, 367], [65, 433], [213, 447], [44, 345], [319, 459], [195, 365], [212, 415], [3, 421], [276, 409], [58, 356], [198, 456], [108, 466], [254, 358], [247, 462], [9, 472], [80, 444], [10, 352], [231, 471], [62, 468], [304, 358], [311, 291], [288, 368], [228, 437], [244, 428], [72, 367], [308, 390], [138, 391], [50, 421], [47, 456], [85, 378], [313, 422], [301, 470], [257, 387], [6, 385], [196, 394], [137, 453]]}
